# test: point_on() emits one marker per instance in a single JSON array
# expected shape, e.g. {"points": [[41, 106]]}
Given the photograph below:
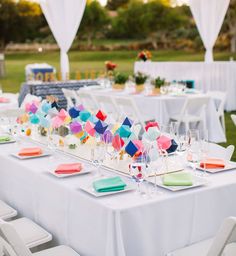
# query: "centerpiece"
{"points": [[157, 83], [119, 81], [144, 55], [140, 79]]}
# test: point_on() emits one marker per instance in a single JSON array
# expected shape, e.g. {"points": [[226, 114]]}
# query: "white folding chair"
{"points": [[233, 117], [12, 244], [127, 107], [107, 104], [86, 98], [6, 211], [219, 99], [223, 244], [218, 151], [70, 95], [193, 111]]}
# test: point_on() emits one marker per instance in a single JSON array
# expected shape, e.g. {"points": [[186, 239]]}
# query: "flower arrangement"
{"points": [[110, 66], [140, 78], [120, 78], [144, 55], [158, 82]]}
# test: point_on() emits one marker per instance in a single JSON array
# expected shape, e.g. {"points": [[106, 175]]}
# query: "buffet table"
{"points": [[207, 76], [161, 107], [124, 224]]}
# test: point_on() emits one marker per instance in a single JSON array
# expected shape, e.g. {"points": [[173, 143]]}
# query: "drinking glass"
{"points": [[204, 149], [193, 154], [97, 158]]}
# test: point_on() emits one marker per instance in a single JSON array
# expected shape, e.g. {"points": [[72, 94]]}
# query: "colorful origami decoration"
{"points": [[101, 115]]}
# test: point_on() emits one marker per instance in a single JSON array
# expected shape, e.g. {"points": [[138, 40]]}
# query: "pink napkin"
{"points": [[4, 100], [30, 152], [213, 163], [69, 168]]}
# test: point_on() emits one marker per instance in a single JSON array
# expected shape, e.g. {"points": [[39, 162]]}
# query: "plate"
{"points": [[69, 175], [197, 182], [44, 154], [90, 190], [228, 167], [7, 142]]}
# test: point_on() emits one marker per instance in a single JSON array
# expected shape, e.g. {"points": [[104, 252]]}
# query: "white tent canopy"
{"points": [[63, 17], [209, 16]]}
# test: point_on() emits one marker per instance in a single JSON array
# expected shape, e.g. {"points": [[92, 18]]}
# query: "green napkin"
{"points": [[178, 179], [4, 138], [109, 185]]}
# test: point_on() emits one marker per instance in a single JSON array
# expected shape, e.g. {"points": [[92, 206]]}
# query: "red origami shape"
{"points": [[151, 124], [101, 115]]}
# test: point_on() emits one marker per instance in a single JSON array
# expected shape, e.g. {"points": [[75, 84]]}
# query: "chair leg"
{"points": [[222, 119]]}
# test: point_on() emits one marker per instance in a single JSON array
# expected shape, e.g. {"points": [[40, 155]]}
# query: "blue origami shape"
{"points": [[173, 147], [55, 105], [100, 127], [46, 107], [84, 115], [124, 131], [128, 122], [131, 149], [34, 119], [93, 119], [73, 112]]}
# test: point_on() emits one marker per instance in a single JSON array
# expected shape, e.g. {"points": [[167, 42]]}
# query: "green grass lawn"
{"points": [[94, 61]]}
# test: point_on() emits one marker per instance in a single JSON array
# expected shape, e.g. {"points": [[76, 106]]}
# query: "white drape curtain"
{"points": [[209, 16], [63, 17]]}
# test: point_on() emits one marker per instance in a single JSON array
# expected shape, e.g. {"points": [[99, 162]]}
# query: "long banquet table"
{"points": [[119, 225], [161, 107], [219, 75]]}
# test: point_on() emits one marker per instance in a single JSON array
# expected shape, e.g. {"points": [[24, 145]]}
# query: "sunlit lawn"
{"points": [[94, 61]]}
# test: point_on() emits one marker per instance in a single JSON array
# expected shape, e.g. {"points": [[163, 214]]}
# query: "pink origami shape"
{"points": [[163, 142], [27, 107], [117, 142], [56, 122], [89, 128], [63, 114], [151, 124], [33, 108], [139, 145]]}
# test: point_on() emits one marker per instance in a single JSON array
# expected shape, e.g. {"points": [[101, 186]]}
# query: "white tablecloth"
{"points": [[119, 225], [207, 76], [12, 104], [162, 107]]}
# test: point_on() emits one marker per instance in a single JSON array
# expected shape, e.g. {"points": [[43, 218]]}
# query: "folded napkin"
{"points": [[4, 138], [178, 179], [213, 163], [69, 168], [4, 100], [30, 152], [109, 185]]}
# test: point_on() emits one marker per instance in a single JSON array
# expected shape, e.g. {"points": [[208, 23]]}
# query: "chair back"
{"points": [[6, 249], [219, 99], [11, 237], [86, 98], [217, 151], [225, 236], [128, 108], [195, 106], [107, 104], [70, 95], [233, 117]]}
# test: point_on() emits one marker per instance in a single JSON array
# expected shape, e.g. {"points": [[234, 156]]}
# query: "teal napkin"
{"points": [[178, 179], [4, 138], [109, 184]]}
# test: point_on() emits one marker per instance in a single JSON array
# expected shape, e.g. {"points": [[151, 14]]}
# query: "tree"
{"points": [[19, 21], [115, 4], [95, 19], [231, 23]]}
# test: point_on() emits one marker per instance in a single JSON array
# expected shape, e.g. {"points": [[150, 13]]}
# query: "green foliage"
{"points": [[158, 82], [140, 78], [115, 4], [19, 21], [120, 78], [95, 20]]}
